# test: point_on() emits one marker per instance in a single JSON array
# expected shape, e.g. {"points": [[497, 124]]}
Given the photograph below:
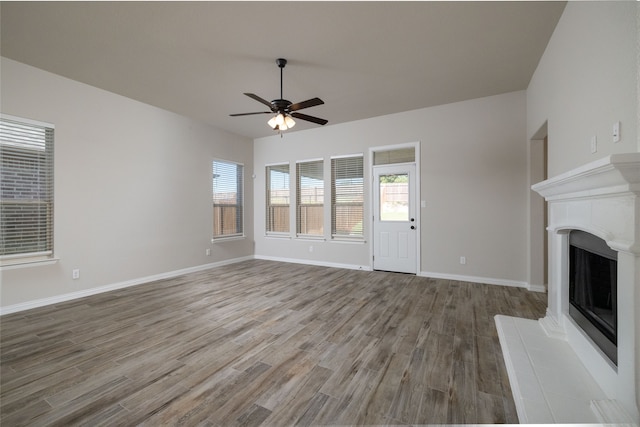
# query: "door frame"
{"points": [[416, 195], [537, 215]]}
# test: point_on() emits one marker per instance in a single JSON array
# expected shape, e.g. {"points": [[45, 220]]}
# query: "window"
{"points": [[310, 198], [277, 199], [26, 189], [347, 197], [227, 199], [398, 155]]}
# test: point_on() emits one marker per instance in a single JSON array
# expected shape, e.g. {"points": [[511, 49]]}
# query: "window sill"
{"points": [[26, 262], [278, 236], [348, 241], [227, 239], [313, 238]]}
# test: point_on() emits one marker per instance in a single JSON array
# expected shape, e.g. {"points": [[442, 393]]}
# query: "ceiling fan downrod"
{"points": [[281, 63]]}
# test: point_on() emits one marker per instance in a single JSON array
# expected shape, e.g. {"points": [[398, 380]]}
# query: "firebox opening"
{"points": [[593, 271]]}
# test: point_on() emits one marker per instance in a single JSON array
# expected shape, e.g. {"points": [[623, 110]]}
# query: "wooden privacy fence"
{"points": [[227, 219], [278, 216]]}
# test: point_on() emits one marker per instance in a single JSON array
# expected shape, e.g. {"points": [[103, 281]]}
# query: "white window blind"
{"points": [[399, 155], [278, 197], [310, 198], [26, 189], [228, 215], [347, 197]]}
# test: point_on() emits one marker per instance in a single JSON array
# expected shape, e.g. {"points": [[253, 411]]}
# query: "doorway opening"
{"points": [[395, 220], [538, 215]]}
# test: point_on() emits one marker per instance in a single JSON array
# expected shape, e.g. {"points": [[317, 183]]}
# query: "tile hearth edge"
{"points": [[549, 382]]}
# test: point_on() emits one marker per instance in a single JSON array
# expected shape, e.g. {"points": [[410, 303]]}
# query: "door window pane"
{"points": [[394, 197]]}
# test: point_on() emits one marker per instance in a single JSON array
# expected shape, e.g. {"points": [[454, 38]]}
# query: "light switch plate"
{"points": [[616, 132]]}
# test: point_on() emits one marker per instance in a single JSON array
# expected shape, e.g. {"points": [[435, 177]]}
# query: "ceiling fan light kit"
{"points": [[281, 122], [283, 109]]}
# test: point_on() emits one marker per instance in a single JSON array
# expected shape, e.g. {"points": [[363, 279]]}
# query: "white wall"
{"points": [[473, 179], [586, 81], [132, 187]]}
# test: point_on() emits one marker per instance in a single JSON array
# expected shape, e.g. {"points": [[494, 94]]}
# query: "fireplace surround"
{"points": [[602, 199]]}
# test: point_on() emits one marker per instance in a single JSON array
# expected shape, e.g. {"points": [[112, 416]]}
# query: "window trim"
{"points": [[269, 233], [241, 188], [26, 259], [27, 121], [340, 237], [298, 234]]}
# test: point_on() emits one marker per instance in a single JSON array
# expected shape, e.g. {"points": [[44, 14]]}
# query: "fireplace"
{"points": [[593, 296], [580, 363]]}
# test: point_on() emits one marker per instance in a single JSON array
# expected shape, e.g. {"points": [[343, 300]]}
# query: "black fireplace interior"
{"points": [[593, 271]]}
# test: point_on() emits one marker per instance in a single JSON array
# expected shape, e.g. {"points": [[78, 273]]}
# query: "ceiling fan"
{"points": [[283, 109]]}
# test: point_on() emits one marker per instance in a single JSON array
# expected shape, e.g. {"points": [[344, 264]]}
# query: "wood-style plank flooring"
{"points": [[265, 343]]}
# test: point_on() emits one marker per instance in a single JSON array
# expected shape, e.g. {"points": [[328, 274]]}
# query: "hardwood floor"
{"points": [[265, 343]]}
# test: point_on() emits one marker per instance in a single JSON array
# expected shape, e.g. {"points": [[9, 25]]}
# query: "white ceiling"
{"points": [[364, 59]]}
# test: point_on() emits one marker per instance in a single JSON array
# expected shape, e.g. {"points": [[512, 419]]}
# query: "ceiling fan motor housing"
{"points": [[280, 105]]}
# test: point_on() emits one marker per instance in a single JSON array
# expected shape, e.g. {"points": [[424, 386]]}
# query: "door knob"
{"points": [[413, 227]]}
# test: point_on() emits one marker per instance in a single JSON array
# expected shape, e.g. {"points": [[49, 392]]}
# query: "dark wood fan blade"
{"points": [[251, 114], [306, 104], [257, 98], [310, 118]]}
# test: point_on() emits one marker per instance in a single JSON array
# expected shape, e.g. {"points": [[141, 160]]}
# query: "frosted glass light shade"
{"points": [[289, 122], [281, 122]]}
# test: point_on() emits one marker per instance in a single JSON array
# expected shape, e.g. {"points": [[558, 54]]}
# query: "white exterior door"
{"points": [[395, 225]]}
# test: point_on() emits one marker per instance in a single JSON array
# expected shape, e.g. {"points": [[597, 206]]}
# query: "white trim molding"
{"points": [[112, 287], [318, 263], [484, 280]]}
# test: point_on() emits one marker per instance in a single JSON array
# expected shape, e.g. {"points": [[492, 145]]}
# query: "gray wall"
{"points": [[473, 180], [132, 187]]}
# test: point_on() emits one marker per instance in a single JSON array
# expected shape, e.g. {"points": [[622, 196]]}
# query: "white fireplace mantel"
{"points": [[602, 198], [614, 174]]}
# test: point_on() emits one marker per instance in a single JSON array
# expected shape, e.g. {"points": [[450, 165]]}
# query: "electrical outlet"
{"points": [[463, 260], [594, 144], [208, 252], [310, 248], [75, 274]]}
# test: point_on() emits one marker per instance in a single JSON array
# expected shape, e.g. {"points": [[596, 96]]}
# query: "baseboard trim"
{"points": [[475, 279], [114, 286], [310, 262], [537, 288]]}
